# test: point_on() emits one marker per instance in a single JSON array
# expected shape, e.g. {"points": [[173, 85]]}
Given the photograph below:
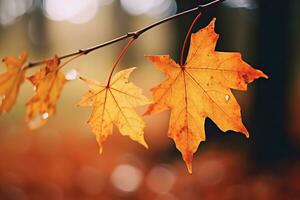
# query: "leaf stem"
{"points": [[119, 58], [134, 34], [70, 60], [186, 39]]}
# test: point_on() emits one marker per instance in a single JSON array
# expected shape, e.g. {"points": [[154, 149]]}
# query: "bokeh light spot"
{"points": [[75, 11], [152, 8], [126, 178], [160, 179]]}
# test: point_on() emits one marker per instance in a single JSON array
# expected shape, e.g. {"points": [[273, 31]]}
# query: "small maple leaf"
{"points": [[11, 80], [200, 89], [113, 104], [48, 83]]}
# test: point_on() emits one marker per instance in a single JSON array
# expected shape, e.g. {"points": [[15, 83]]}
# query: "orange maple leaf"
{"points": [[48, 83], [113, 104], [11, 80], [200, 89]]}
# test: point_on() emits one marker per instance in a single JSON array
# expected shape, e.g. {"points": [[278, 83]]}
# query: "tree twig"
{"points": [[134, 34]]}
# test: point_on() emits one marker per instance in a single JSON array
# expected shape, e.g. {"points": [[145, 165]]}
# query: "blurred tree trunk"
{"points": [[269, 135], [37, 28]]}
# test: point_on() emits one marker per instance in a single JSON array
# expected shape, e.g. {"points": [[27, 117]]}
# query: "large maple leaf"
{"points": [[48, 83], [11, 80], [200, 89], [114, 104]]}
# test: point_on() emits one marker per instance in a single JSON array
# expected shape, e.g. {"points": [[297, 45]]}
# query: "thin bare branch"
{"points": [[134, 34]]}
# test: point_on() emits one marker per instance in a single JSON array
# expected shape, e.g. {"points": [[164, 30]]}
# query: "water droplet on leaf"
{"points": [[227, 97], [71, 75], [45, 115]]}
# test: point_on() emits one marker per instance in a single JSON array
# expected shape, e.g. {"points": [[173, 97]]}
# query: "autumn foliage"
{"points": [[11, 81], [200, 89], [194, 91], [114, 104], [48, 83]]}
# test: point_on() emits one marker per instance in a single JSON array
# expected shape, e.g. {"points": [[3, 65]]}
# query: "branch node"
{"points": [[30, 64], [134, 35], [82, 51]]}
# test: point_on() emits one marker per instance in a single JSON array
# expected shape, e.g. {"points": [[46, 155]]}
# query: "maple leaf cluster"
{"points": [[48, 83], [198, 89]]}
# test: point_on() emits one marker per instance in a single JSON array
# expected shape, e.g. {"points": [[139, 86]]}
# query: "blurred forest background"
{"points": [[61, 160]]}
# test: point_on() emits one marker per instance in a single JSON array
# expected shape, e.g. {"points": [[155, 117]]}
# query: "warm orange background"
{"points": [[61, 160]]}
